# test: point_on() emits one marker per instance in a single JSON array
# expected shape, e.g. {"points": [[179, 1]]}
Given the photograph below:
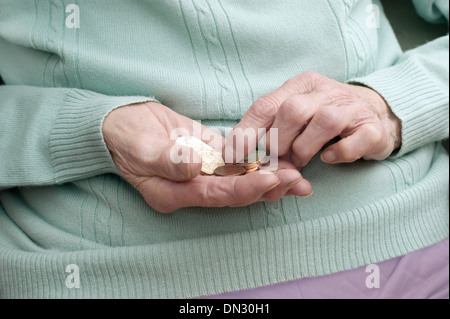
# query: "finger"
{"points": [[290, 179], [176, 163], [303, 188], [206, 191], [292, 117], [364, 142], [261, 115], [326, 124]]}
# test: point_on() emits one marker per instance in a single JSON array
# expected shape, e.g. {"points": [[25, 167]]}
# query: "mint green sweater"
{"points": [[63, 203]]}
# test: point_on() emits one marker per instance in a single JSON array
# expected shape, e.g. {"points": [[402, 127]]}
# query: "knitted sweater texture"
{"points": [[65, 212]]}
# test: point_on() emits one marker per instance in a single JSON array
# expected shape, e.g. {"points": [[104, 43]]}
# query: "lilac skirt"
{"points": [[423, 274]]}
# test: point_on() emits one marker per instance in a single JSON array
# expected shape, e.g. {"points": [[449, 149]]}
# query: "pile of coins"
{"points": [[213, 163]]}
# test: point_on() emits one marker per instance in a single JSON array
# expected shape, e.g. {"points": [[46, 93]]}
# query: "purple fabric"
{"points": [[423, 274]]}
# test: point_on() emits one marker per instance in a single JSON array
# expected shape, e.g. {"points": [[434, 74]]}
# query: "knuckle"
{"points": [[311, 75], [294, 111], [337, 94], [329, 119], [265, 107], [305, 81], [348, 154], [291, 106], [374, 135]]}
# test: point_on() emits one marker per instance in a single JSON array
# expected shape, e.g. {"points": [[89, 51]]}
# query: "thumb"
{"points": [[176, 163]]}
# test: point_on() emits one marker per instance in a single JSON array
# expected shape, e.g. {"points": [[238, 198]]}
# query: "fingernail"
{"points": [[307, 194], [292, 184], [273, 186], [328, 156], [303, 189]]}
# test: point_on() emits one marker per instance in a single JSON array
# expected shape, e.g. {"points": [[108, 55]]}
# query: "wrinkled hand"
{"points": [[138, 137], [311, 110]]}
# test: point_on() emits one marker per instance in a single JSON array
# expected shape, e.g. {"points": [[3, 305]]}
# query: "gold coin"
{"points": [[229, 170], [211, 159], [253, 160], [255, 165], [250, 170]]}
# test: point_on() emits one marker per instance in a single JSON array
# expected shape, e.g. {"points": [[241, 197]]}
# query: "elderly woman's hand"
{"points": [[138, 137], [311, 110]]}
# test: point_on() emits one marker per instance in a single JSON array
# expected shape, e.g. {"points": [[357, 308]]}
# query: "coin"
{"points": [[229, 170], [211, 160], [250, 170], [213, 163], [253, 160]]}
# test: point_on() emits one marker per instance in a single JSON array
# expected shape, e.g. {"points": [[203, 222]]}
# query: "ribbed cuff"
{"points": [[76, 143], [420, 102]]}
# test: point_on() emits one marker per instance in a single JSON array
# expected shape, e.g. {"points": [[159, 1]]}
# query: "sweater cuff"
{"points": [[76, 144], [420, 102]]}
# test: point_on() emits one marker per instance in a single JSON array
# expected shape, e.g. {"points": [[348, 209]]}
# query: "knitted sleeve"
{"points": [[416, 87], [54, 135]]}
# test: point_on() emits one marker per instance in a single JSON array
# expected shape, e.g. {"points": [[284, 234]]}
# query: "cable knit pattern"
{"points": [[64, 205]]}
